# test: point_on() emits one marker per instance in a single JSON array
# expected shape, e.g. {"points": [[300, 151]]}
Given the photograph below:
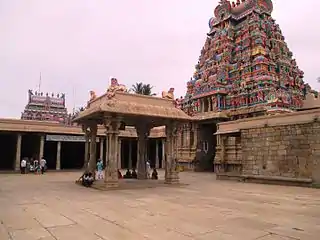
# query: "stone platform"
{"points": [[52, 207], [130, 184]]}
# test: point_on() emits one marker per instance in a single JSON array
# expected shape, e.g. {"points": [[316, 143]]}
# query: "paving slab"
{"points": [[52, 206], [30, 234], [73, 232]]}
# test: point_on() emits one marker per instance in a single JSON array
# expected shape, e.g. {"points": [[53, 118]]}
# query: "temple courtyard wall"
{"points": [[280, 148]]}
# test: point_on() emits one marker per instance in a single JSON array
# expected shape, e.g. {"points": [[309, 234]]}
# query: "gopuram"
{"points": [[117, 109], [245, 68], [46, 107], [245, 72]]}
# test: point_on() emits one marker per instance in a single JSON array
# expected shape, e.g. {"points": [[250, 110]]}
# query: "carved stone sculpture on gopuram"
{"points": [[245, 68]]}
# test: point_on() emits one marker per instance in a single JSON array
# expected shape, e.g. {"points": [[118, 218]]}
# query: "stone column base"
{"points": [[111, 183], [172, 178], [142, 176]]}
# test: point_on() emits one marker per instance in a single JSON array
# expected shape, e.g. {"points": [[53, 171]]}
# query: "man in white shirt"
{"points": [[43, 164], [23, 166]]}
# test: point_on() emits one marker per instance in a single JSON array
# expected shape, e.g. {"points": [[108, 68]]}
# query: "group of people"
{"points": [[133, 174], [130, 174], [30, 165], [88, 177]]}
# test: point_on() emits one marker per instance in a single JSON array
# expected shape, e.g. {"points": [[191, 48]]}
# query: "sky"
{"points": [[77, 45]]}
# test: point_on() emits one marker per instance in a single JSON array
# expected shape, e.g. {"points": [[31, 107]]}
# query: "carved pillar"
{"points": [[58, 161], [171, 173], [130, 155], [119, 154], [112, 126], [93, 147], [163, 153], [101, 147], [41, 149], [202, 105], [157, 154], [195, 132], [18, 153], [143, 131], [188, 130]]}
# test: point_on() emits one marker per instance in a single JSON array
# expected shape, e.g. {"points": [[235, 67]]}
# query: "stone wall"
{"points": [[284, 147], [286, 151]]}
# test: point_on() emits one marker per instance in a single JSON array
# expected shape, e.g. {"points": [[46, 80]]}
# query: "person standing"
{"points": [[100, 169], [148, 169], [23, 166], [43, 164]]}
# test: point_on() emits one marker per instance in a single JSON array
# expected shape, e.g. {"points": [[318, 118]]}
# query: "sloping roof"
{"points": [[134, 105]]}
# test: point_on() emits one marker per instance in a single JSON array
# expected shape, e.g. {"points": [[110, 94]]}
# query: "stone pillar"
{"points": [[41, 149], [93, 147], [171, 174], [86, 131], [119, 154], [157, 154], [130, 154], [101, 147], [143, 131], [112, 126], [18, 153], [195, 132], [58, 161], [163, 153]]}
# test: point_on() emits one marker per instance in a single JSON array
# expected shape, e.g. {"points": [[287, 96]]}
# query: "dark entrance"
{"points": [[152, 152], [125, 146], [8, 143], [50, 154], [72, 155], [30, 146], [207, 145]]}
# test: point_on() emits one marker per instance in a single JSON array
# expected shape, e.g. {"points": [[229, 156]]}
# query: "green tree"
{"points": [[143, 89]]}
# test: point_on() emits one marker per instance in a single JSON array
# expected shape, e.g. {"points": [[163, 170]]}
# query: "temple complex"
{"points": [[245, 70], [46, 107], [247, 114]]}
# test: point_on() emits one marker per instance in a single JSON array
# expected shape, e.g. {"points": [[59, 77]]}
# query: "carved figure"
{"points": [[93, 95], [115, 87], [169, 94]]}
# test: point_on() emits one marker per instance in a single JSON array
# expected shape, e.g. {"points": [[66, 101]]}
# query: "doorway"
{"points": [[8, 142], [30, 146], [207, 145]]}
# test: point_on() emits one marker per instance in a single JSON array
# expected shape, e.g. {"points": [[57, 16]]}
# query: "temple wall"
{"points": [[283, 146], [286, 151], [186, 151]]}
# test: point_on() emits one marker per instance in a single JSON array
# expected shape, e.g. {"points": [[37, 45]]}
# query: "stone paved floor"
{"points": [[54, 207]]}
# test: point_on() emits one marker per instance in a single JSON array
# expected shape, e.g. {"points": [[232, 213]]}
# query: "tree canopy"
{"points": [[143, 89]]}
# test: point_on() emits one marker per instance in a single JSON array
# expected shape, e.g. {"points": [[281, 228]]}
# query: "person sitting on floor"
{"points": [[87, 179], [128, 174], [90, 179], [134, 174], [84, 178], [119, 174], [154, 174]]}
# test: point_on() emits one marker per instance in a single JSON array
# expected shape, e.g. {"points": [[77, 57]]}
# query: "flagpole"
{"points": [[39, 87]]}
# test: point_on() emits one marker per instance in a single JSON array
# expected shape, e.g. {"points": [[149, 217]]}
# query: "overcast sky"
{"points": [[79, 44]]}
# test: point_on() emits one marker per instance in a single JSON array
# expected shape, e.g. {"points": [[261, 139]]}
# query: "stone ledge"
{"points": [[275, 180]]}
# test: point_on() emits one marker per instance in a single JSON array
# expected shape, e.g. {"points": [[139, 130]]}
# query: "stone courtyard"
{"points": [[52, 207]]}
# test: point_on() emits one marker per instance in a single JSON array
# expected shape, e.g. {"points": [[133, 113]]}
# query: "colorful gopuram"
{"points": [[46, 107], [245, 68]]}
